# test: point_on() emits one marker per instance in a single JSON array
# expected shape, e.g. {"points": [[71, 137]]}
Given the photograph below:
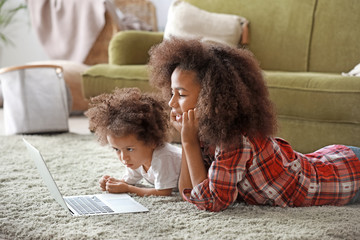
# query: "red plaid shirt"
{"points": [[270, 172]]}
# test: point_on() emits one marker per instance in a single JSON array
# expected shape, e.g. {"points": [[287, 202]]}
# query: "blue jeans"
{"points": [[356, 198], [356, 150]]}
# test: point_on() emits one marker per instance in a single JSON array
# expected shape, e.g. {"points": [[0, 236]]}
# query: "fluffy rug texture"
{"points": [[77, 162]]}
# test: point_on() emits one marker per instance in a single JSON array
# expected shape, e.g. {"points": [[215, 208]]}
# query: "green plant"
{"points": [[6, 19]]}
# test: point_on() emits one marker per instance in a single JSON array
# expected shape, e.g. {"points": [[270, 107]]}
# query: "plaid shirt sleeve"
{"points": [[219, 190]]}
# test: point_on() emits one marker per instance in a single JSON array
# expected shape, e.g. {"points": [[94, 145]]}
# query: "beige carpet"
{"points": [[77, 161]]}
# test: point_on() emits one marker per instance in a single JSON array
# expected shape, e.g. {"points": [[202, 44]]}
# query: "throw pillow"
{"points": [[355, 72], [187, 21]]}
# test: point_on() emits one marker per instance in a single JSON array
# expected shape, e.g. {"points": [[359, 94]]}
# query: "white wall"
{"points": [[162, 7], [27, 46]]}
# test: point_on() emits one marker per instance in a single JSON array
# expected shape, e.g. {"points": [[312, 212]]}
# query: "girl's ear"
{"points": [[152, 145]]}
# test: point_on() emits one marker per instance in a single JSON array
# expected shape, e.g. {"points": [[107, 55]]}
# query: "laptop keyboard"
{"points": [[85, 205]]}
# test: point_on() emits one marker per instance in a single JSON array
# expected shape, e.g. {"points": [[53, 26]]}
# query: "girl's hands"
{"points": [[117, 186], [190, 127], [113, 185], [193, 170], [102, 182]]}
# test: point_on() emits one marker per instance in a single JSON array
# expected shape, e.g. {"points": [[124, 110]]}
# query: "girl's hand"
{"points": [[174, 123], [102, 181], [117, 186], [105, 179], [190, 128]]}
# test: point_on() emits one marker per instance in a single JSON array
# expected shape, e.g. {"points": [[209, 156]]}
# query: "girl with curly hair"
{"points": [[136, 125], [220, 105]]}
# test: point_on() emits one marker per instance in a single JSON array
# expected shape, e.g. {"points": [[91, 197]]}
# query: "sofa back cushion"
{"points": [[335, 45], [280, 30]]}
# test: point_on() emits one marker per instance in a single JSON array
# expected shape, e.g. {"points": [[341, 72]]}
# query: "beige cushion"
{"points": [[72, 76], [187, 21]]}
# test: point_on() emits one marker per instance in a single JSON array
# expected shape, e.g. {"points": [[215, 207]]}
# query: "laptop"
{"points": [[84, 205]]}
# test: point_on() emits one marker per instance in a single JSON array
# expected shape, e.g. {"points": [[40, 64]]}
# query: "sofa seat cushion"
{"points": [[329, 97], [335, 45], [280, 30], [104, 78], [322, 108]]}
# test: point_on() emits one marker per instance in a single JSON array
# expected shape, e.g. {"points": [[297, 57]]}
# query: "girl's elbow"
{"points": [[181, 189], [164, 192]]}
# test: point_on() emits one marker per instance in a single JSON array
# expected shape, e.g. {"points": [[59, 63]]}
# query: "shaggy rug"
{"points": [[77, 162]]}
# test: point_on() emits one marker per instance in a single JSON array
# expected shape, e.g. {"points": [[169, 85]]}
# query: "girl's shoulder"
{"points": [[171, 148], [167, 151]]}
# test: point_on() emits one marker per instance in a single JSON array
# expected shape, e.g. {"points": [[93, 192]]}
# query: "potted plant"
{"points": [[6, 19]]}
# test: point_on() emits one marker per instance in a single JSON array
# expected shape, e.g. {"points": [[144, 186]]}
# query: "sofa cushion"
{"points": [[104, 78], [306, 135], [330, 97], [335, 44], [187, 21], [132, 47], [280, 30], [322, 108]]}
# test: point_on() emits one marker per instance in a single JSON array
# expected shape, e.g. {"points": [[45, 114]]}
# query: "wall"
{"points": [[162, 7], [27, 46]]}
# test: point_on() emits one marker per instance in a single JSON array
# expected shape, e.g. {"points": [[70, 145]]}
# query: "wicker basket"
{"points": [[142, 9], [99, 51]]}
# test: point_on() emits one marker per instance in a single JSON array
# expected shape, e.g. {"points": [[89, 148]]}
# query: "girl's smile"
{"points": [[178, 118]]}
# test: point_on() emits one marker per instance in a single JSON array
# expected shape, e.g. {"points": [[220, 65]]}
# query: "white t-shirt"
{"points": [[164, 170]]}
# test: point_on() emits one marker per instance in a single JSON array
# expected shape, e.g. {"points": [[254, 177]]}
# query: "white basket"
{"points": [[35, 99]]}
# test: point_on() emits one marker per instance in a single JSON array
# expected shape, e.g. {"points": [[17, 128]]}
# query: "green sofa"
{"points": [[303, 46]]}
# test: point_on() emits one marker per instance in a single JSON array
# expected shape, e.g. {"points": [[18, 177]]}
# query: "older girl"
{"points": [[220, 104]]}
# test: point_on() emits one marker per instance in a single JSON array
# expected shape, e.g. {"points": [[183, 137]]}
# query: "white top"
{"points": [[164, 170]]}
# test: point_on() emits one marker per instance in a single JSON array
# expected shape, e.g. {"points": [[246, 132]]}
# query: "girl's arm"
{"points": [[123, 187], [149, 191], [184, 178], [195, 163], [191, 149]]}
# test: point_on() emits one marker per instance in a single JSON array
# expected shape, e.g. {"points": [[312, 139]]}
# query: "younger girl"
{"points": [[220, 104], [135, 125]]}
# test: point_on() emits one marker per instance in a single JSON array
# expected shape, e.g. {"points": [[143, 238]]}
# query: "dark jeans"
{"points": [[356, 198]]}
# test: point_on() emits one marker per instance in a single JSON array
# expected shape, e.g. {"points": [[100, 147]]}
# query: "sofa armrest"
{"points": [[132, 47]]}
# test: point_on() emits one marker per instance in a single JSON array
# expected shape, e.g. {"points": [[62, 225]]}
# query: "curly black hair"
{"points": [[129, 111], [233, 100]]}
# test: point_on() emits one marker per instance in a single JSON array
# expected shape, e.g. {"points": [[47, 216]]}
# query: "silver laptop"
{"points": [[84, 205]]}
